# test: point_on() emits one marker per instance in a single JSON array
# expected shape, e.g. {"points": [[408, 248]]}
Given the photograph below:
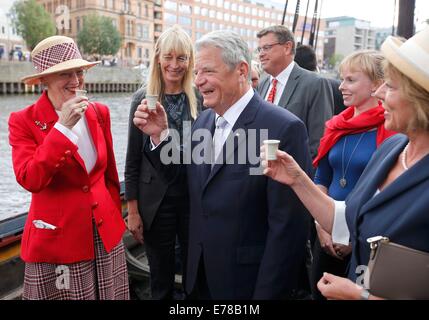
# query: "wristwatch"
{"points": [[364, 294]]}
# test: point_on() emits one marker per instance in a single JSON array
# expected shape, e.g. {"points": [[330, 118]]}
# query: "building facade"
{"points": [[245, 17], [344, 35], [141, 22], [10, 41], [134, 19]]}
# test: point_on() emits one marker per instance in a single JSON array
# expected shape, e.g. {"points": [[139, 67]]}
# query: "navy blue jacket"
{"points": [[250, 229], [400, 212]]}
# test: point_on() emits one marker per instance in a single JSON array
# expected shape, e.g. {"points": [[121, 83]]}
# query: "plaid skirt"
{"points": [[105, 278]]}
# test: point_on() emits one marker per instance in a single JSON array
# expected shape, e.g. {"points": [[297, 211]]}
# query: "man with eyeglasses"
{"points": [[303, 93]]}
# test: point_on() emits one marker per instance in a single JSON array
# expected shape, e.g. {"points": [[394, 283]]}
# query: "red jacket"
{"points": [[47, 164]]}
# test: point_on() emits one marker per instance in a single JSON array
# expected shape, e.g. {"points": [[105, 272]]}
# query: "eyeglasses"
{"points": [[267, 47], [70, 74]]}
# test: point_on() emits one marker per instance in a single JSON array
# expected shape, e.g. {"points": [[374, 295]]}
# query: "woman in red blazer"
{"points": [[62, 153]]}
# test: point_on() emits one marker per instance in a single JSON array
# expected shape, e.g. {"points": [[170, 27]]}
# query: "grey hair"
{"points": [[234, 48], [282, 34]]}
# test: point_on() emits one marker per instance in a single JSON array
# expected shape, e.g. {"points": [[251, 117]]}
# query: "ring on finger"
{"points": [[339, 253]]}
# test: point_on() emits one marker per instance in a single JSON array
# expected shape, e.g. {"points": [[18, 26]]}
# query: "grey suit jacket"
{"points": [[310, 98]]}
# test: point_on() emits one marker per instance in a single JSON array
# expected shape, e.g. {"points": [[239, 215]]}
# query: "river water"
{"points": [[13, 198]]}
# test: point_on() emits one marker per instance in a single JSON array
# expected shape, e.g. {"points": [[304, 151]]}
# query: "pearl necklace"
{"points": [[404, 157]]}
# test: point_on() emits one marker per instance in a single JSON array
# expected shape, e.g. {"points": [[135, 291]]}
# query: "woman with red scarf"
{"points": [[349, 141]]}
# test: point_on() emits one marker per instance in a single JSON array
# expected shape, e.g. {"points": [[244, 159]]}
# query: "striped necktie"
{"points": [[272, 94]]}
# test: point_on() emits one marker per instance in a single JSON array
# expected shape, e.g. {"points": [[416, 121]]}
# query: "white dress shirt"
{"points": [[81, 137], [282, 79]]}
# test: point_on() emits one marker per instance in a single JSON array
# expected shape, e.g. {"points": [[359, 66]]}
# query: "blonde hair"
{"points": [[177, 40], [416, 95], [370, 62]]}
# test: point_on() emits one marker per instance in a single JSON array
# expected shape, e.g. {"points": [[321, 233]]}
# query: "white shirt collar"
{"points": [[231, 115], [283, 76]]}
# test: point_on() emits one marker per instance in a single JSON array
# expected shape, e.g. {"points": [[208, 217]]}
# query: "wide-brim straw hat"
{"points": [[56, 54], [410, 57]]}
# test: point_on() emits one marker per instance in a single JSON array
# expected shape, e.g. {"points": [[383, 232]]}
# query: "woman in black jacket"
{"points": [[158, 210]]}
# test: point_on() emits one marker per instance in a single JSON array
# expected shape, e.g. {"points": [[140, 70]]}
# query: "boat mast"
{"points": [[406, 18], [305, 22], [284, 12], [295, 19]]}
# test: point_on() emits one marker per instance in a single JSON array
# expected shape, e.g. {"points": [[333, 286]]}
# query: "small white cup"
{"points": [[271, 147], [80, 93], [151, 101]]}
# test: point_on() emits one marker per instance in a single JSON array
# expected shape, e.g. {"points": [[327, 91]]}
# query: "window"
{"points": [[247, 10], [197, 10], [146, 53], [233, 6], [254, 11], [77, 24], [219, 15], [226, 16], [184, 8], [170, 18], [240, 9], [212, 14], [146, 10], [146, 32], [139, 31], [139, 8], [234, 18], [199, 24], [240, 19], [185, 21], [219, 3], [170, 5], [140, 52]]}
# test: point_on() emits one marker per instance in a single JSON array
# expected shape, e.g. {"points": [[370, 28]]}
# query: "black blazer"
{"points": [[142, 181], [250, 229]]}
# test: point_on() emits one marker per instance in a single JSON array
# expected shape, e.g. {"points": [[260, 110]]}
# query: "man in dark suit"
{"points": [[247, 233], [302, 92]]}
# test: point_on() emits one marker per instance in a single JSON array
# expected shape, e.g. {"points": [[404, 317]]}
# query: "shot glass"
{"points": [[271, 147]]}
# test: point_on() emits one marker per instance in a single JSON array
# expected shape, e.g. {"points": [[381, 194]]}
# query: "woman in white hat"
{"points": [[62, 153], [387, 200]]}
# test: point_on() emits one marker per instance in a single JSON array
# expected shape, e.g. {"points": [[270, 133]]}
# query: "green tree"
{"points": [[31, 22], [99, 36], [335, 60]]}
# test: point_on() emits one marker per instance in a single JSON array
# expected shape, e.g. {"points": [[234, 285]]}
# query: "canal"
{"points": [[13, 198]]}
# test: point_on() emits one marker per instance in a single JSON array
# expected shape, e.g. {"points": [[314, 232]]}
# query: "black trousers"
{"points": [[323, 262], [201, 289], [170, 223]]}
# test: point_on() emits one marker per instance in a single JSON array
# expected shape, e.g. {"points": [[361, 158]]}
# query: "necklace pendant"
{"points": [[343, 182]]}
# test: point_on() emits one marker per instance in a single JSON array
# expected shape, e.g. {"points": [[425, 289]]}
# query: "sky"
{"points": [[378, 12]]}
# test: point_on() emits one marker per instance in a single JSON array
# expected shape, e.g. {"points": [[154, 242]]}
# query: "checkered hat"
{"points": [[55, 54]]}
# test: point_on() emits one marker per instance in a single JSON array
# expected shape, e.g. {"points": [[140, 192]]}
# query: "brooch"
{"points": [[42, 126]]}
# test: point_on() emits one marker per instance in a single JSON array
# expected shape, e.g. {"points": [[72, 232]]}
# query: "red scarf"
{"points": [[345, 124]]}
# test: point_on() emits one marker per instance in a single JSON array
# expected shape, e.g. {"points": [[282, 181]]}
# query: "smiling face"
{"points": [[356, 88], [173, 67], [274, 56], [62, 86], [399, 112], [219, 85]]}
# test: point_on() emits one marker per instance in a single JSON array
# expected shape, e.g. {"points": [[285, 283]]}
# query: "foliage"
{"points": [[31, 22], [99, 36]]}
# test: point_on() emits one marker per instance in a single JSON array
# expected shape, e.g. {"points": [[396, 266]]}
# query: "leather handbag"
{"points": [[397, 272]]}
